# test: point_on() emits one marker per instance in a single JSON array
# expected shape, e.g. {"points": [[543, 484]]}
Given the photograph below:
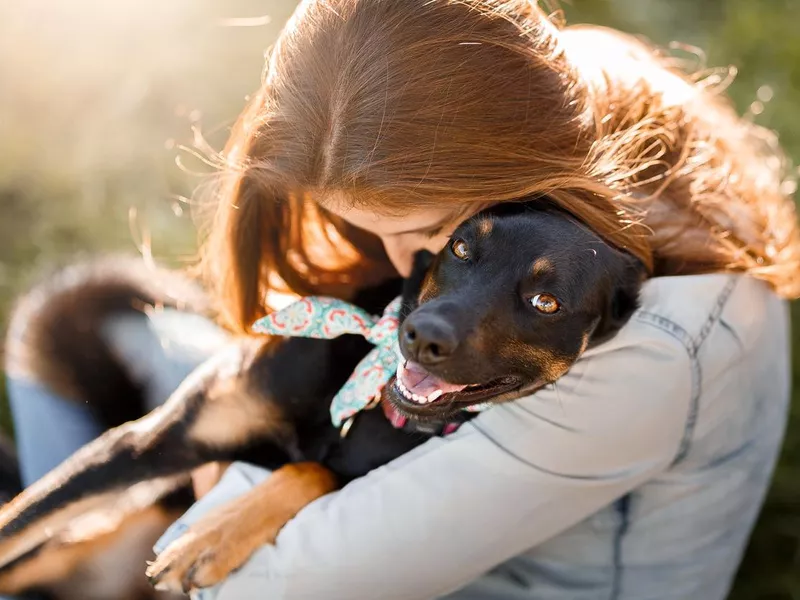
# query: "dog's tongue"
{"points": [[419, 381]]}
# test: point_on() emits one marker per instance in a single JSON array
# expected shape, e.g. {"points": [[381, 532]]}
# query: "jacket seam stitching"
{"points": [[680, 334], [692, 346], [622, 507]]}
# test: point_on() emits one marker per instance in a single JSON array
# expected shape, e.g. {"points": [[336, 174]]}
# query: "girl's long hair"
{"points": [[400, 105]]}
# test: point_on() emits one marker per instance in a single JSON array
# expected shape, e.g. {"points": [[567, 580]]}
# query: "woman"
{"points": [[382, 124]]}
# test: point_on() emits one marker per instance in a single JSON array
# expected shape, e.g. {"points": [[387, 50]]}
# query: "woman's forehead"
{"points": [[386, 223]]}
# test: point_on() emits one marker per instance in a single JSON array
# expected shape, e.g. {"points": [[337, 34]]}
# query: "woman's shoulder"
{"points": [[689, 325], [690, 308], [644, 385]]}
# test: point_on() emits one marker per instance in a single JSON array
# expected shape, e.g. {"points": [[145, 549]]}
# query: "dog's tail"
{"points": [[58, 331]]}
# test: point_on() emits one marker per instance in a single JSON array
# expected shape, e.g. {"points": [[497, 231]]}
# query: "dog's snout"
{"points": [[428, 340]]}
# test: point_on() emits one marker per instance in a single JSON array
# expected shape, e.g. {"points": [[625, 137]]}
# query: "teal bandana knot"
{"points": [[326, 318]]}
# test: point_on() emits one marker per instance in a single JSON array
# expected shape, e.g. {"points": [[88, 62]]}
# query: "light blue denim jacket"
{"points": [[637, 476]]}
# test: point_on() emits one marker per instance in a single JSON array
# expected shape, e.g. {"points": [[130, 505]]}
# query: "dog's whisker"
{"points": [[558, 396]]}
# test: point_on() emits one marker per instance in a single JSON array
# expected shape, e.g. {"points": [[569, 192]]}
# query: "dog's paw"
{"points": [[225, 538], [205, 555]]}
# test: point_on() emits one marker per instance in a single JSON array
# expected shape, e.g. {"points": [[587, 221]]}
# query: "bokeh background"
{"points": [[102, 102]]}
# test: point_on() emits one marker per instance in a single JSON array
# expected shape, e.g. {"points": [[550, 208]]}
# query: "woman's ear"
{"points": [[626, 276]]}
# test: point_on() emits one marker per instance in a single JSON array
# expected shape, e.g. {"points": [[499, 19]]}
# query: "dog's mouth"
{"points": [[420, 389]]}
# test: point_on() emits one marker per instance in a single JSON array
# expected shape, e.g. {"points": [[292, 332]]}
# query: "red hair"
{"points": [[400, 105]]}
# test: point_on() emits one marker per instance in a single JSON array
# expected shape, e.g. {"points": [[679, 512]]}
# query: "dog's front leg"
{"points": [[213, 414], [223, 540]]}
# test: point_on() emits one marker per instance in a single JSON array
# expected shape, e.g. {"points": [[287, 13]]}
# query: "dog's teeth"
{"points": [[404, 390], [416, 397]]}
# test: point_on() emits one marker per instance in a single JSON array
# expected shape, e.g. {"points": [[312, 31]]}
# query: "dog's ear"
{"points": [[626, 276]]}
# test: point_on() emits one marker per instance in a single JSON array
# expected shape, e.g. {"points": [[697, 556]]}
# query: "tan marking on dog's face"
{"points": [[429, 289], [584, 344], [551, 365], [556, 367], [542, 266], [485, 227]]}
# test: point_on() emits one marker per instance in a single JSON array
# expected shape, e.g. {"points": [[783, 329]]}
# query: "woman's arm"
{"points": [[440, 516]]}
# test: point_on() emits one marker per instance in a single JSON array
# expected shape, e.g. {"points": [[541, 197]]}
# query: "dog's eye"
{"points": [[460, 249], [545, 303]]}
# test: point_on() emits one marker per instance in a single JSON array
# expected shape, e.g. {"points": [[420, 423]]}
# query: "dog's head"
{"points": [[507, 307]]}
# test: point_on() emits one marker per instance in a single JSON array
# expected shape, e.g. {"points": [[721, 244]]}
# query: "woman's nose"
{"points": [[401, 253], [401, 249]]}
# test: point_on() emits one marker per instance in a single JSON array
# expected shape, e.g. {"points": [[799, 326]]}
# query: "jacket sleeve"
{"points": [[440, 516]]}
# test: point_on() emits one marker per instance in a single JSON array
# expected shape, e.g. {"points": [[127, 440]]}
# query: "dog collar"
{"points": [[398, 421]]}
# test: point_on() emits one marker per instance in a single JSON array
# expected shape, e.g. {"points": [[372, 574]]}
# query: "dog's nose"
{"points": [[428, 340]]}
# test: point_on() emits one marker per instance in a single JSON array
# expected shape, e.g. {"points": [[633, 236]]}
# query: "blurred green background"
{"points": [[98, 98]]}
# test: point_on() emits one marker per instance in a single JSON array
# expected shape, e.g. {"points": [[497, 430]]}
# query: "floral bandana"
{"points": [[326, 318]]}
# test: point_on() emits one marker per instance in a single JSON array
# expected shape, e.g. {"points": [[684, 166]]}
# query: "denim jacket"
{"points": [[638, 475]]}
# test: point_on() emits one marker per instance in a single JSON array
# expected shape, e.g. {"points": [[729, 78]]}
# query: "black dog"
{"points": [[506, 308]]}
